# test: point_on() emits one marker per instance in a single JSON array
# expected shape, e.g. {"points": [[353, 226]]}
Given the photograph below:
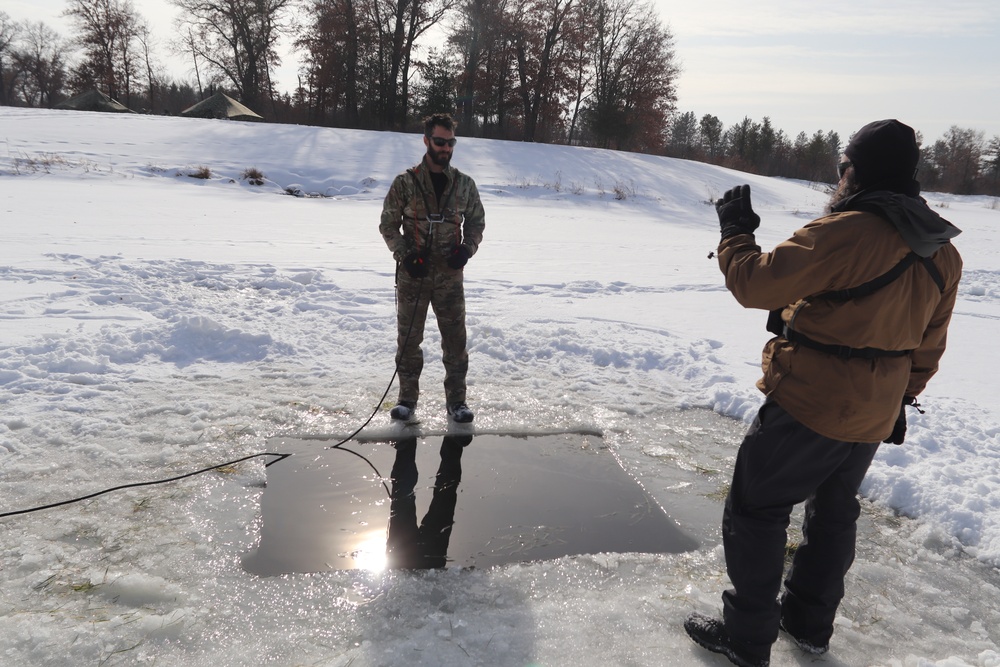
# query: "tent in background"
{"points": [[221, 105], [93, 100]]}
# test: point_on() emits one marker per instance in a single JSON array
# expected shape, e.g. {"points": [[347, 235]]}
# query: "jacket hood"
{"points": [[923, 229]]}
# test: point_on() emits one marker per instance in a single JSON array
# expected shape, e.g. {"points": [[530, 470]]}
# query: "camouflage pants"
{"points": [[442, 290]]}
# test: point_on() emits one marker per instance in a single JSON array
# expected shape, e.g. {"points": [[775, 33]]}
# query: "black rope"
{"points": [[280, 456], [370, 465], [138, 484]]}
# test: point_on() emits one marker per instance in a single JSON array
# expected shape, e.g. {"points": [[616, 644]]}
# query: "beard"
{"points": [[440, 158], [847, 188]]}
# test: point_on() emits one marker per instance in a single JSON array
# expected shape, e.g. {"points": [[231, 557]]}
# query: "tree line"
{"points": [[962, 162], [595, 72], [583, 72]]}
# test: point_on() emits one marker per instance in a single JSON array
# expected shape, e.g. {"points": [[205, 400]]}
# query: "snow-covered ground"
{"points": [[154, 324]]}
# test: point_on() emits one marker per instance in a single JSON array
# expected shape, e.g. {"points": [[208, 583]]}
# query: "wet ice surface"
{"points": [[137, 348], [910, 592], [452, 499], [908, 583]]}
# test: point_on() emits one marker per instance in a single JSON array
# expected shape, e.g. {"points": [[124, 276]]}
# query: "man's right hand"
{"points": [[736, 215], [415, 264]]}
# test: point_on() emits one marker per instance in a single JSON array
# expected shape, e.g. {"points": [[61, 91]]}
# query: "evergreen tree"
{"points": [[436, 91]]}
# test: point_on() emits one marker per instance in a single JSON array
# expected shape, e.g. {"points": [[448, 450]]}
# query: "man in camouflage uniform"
{"points": [[433, 222]]}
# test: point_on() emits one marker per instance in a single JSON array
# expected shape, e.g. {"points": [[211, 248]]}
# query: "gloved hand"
{"points": [[899, 428], [459, 256], [736, 215], [416, 264]]}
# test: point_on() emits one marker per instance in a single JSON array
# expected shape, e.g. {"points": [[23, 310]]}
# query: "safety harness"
{"points": [[776, 326], [432, 218]]}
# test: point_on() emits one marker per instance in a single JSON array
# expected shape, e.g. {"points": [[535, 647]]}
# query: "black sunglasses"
{"points": [[440, 141], [842, 168]]}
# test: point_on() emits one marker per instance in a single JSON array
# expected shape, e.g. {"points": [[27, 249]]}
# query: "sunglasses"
{"points": [[440, 141], [842, 168]]}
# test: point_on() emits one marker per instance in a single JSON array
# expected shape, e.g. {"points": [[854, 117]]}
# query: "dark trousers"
{"points": [[782, 463]]}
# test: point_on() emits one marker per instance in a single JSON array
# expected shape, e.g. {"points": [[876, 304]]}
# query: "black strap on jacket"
{"points": [[878, 283], [776, 326], [841, 351]]}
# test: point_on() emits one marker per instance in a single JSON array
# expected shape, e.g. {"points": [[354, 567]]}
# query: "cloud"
{"points": [[733, 18]]}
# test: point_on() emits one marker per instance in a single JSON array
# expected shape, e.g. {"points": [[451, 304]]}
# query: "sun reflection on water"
{"points": [[370, 552]]}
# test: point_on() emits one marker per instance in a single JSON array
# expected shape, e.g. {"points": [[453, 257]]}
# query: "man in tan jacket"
{"points": [[860, 302]]}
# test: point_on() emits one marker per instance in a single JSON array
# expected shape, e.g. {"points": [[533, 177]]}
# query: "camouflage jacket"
{"points": [[410, 206]]}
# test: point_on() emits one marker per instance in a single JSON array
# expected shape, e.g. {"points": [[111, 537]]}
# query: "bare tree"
{"points": [[333, 42], [467, 37], [189, 45], [9, 30], [581, 65], [539, 40], [635, 77], [154, 73], [238, 40], [481, 36], [108, 31], [398, 24], [41, 56]]}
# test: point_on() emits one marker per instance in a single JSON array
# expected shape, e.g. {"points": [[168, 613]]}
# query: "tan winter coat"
{"points": [[404, 223], [853, 400]]}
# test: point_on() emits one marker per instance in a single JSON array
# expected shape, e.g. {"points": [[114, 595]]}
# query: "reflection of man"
{"points": [[861, 300], [433, 222], [410, 547]]}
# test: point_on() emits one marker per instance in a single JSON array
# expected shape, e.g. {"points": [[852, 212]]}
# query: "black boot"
{"points": [[711, 633]]}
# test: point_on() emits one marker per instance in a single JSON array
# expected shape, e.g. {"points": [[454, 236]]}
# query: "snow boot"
{"points": [[403, 411], [711, 633], [804, 644], [460, 412]]}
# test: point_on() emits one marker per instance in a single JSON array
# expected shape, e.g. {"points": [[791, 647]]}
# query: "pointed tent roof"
{"points": [[221, 105], [93, 100]]}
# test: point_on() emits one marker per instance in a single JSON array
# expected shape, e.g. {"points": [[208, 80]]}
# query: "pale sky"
{"points": [[838, 65], [833, 66]]}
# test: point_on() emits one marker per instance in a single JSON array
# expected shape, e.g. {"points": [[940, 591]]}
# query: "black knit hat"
{"points": [[885, 154]]}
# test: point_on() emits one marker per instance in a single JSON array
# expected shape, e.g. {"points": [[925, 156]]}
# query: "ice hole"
{"points": [[455, 499]]}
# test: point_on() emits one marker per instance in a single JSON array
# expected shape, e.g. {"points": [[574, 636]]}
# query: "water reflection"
{"points": [[408, 545], [433, 501]]}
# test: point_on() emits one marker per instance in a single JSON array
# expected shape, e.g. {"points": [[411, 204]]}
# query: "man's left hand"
{"points": [[736, 214], [458, 257], [899, 428]]}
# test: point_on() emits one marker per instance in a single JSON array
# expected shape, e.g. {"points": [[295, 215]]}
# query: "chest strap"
{"points": [[881, 281], [776, 326], [433, 218]]}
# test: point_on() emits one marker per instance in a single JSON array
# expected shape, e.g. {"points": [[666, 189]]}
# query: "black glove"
{"points": [[899, 428], [736, 216], [416, 264], [458, 257]]}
